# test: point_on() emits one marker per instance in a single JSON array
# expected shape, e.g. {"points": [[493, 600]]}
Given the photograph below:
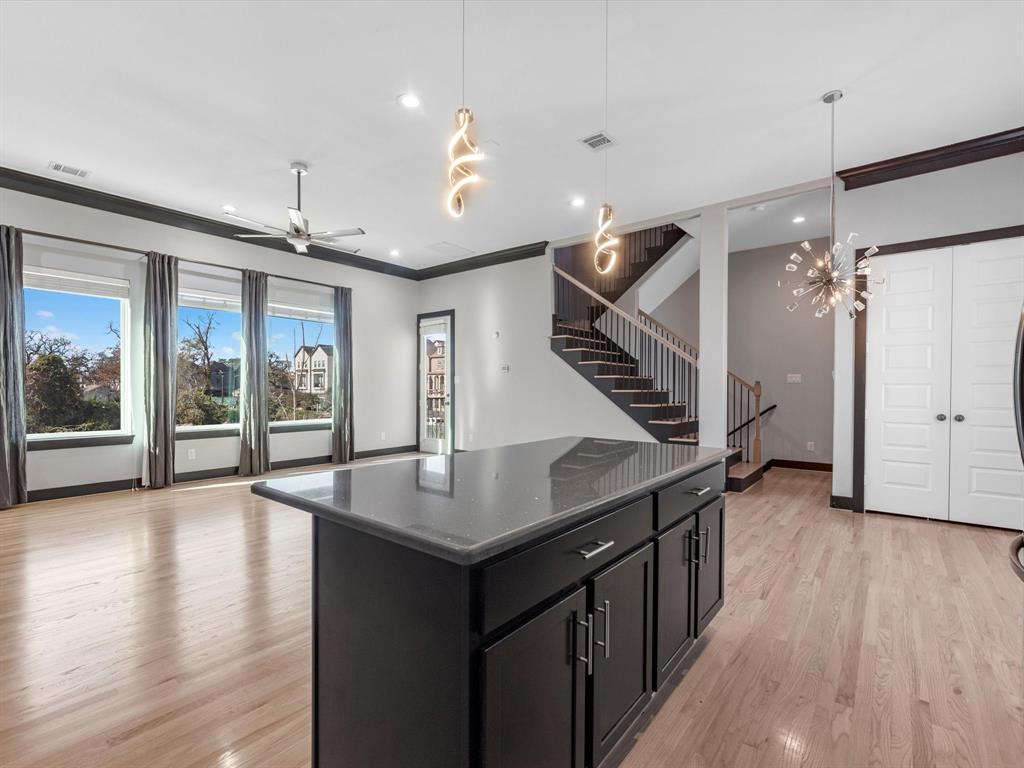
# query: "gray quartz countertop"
{"points": [[471, 506]]}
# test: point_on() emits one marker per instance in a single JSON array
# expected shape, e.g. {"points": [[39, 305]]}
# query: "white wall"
{"points": [[974, 197], [541, 396], [383, 340]]}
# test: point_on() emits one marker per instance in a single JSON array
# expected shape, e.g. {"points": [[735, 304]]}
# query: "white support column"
{"points": [[714, 325]]}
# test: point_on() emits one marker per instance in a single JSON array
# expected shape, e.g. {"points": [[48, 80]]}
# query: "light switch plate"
{"points": [[794, 378], [810, 446], [191, 454]]}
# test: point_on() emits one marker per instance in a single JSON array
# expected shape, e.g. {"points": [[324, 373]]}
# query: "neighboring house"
{"points": [[100, 393], [225, 377], [313, 368]]}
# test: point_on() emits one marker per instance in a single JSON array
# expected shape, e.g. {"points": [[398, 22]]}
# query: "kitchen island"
{"points": [[516, 607]]}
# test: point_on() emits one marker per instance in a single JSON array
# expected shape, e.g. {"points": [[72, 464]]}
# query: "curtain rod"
{"points": [[139, 251]]}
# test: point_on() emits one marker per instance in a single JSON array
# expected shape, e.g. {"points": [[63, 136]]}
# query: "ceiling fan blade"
{"points": [[258, 237], [250, 221], [300, 247], [338, 233], [334, 246], [298, 223]]}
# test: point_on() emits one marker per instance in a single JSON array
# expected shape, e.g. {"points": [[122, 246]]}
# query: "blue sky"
{"points": [[83, 319]]}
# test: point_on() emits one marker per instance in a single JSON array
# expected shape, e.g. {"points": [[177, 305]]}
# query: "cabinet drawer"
{"points": [[677, 501], [515, 585]]}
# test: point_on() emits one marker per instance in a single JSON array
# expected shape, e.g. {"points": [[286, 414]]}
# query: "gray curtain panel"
{"points": [[13, 488], [254, 422], [341, 389], [160, 360]]}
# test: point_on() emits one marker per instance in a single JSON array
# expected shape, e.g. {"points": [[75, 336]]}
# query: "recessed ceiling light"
{"points": [[393, 253], [577, 202], [799, 220], [759, 207], [229, 208], [409, 100]]}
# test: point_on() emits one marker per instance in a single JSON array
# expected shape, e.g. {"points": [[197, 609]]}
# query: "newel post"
{"points": [[757, 422]]}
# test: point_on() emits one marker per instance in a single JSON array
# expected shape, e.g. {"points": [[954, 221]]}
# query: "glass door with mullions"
{"points": [[435, 380]]}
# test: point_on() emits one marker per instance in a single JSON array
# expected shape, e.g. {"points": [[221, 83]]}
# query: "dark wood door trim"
{"points": [[449, 313], [860, 337], [937, 159]]}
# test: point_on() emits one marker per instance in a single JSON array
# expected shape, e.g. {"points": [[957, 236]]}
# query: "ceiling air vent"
{"points": [[69, 169], [598, 140]]}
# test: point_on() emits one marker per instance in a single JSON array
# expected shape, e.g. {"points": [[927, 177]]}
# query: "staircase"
{"points": [[650, 373], [638, 252]]}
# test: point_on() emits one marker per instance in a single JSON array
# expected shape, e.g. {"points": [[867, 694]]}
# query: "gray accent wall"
{"points": [[767, 343]]}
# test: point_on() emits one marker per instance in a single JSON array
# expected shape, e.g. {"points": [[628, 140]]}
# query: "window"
{"points": [[209, 344], [73, 351], [300, 338]]}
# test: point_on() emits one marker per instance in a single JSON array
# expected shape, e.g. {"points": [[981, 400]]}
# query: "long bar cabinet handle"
{"points": [[707, 548], [589, 658], [607, 642], [601, 547]]}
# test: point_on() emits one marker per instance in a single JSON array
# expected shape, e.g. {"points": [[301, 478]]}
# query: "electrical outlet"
{"points": [[190, 454], [471, 437], [810, 446], [794, 378], [383, 437], [506, 368]]}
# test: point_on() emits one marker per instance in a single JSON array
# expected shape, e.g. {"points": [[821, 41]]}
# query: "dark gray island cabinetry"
{"points": [[516, 607]]}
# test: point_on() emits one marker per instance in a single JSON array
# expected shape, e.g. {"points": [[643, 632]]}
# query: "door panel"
{"points": [[534, 691], [623, 617], [986, 475], [906, 448], [434, 369], [710, 562], [675, 618]]}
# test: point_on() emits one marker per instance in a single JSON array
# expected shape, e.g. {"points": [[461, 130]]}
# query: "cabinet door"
{"points": [[711, 562], [675, 617], [623, 597], [535, 690]]}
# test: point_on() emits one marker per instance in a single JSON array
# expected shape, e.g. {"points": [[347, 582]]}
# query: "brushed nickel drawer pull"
{"points": [[698, 491], [601, 547]]}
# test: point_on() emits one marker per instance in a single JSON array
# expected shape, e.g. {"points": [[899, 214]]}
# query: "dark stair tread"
{"points": [[678, 420], [639, 390]]}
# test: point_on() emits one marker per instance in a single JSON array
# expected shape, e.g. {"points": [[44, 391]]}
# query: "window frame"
{"points": [[201, 431], [124, 435]]}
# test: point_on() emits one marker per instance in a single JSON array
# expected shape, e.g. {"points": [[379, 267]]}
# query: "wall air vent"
{"points": [[69, 169], [598, 140]]}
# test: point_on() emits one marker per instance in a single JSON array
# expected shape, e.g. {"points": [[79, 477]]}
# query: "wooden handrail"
{"points": [[646, 316], [743, 382], [629, 318]]}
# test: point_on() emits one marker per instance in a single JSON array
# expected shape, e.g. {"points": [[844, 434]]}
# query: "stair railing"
{"points": [[744, 417], [744, 397], [667, 333], [620, 347]]}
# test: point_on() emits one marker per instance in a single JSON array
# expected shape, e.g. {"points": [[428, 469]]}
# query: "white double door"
{"points": [[940, 436]]}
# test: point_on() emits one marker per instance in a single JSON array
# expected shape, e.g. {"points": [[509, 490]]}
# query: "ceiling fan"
{"points": [[297, 233]]}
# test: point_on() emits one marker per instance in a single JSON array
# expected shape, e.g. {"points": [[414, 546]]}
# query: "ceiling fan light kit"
{"points": [[297, 234]]}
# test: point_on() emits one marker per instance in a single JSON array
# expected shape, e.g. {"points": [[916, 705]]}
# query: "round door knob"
{"points": [[941, 417], [959, 417]]}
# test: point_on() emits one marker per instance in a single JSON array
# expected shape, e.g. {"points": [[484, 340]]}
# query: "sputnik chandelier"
{"points": [[462, 152], [604, 241], [831, 278]]}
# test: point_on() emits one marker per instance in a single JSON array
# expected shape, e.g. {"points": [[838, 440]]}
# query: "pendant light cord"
{"points": [[606, 97], [832, 178], [463, 54]]}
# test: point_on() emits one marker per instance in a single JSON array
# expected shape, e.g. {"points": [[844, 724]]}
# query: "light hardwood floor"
{"points": [[171, 629]]}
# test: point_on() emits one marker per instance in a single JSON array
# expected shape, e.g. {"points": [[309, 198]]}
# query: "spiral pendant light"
{"points": [[462, 151], [605, 254]]}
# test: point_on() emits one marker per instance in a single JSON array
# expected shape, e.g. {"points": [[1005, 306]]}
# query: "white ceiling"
{"points": [[193, 105], [774, 225]]}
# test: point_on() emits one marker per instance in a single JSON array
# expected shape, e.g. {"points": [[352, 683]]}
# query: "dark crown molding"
{"points": [[40, 186], [963, 152], [484, 260]]}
